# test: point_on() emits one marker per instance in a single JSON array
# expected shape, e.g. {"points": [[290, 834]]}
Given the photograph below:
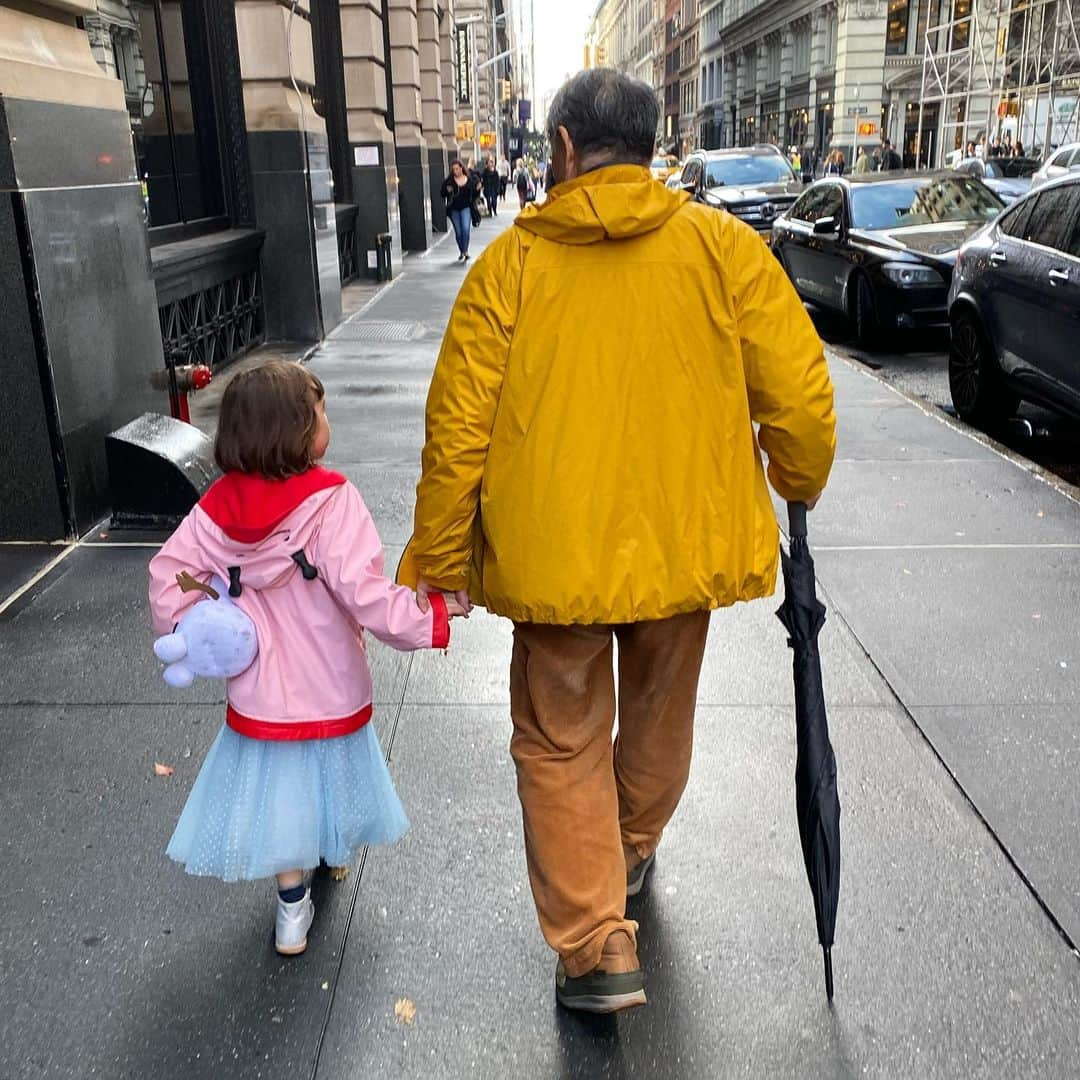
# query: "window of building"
{"points": [[160, 52], [832, 34], [772, 59], [961, 32], [896, 29], [800, 59]]}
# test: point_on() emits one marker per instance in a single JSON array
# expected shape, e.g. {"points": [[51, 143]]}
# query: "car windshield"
{"points": [[1011, 168], [664, 163], [921, 201], [740, 171]]}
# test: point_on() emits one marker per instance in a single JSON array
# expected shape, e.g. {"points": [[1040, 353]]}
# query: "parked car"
{"points": [[1009, 177], [879, 247], [1014, 306], [755, 184], [1058, 164], [664, 166]]}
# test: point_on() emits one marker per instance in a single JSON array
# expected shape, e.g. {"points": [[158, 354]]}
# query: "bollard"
{"points": [[384, 266]]}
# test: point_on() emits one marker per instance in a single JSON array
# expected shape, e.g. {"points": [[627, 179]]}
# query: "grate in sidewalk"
{"points": [[382, 331]]}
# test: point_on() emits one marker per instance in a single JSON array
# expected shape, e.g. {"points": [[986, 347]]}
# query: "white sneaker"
{"points": [[292, 924]]}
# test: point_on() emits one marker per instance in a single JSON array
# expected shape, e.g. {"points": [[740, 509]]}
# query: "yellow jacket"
{"points": [[590, 450]]}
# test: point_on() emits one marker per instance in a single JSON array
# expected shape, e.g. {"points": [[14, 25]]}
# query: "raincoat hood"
{"points": [[614, 203], [259, 524]]}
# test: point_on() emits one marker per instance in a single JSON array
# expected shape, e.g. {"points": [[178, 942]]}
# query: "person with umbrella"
{"points": [[592, 472]]}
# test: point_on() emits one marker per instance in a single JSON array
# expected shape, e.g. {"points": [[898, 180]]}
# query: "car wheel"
{"points": [[978, 390], [867, 327]]}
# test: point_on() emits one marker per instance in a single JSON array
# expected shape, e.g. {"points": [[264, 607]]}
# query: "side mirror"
{"points": [[826, 226], [689, 186]]}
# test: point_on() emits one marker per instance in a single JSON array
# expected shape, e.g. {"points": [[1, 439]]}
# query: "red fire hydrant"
{"points": [[180, 380]]}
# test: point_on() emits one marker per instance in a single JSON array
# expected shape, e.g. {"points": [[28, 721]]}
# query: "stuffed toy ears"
{"points": [[170, 648]]}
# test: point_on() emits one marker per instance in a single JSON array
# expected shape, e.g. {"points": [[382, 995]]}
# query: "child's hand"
{"points": [[453, 608]]}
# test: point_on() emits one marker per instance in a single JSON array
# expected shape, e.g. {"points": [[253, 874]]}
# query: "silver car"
{"points": [[1064, 159]]}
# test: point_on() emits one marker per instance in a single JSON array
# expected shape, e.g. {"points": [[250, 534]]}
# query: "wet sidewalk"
{"points": [[951, 575]]}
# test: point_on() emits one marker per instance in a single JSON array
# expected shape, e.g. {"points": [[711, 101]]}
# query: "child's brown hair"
{"points": [[268, 420]]}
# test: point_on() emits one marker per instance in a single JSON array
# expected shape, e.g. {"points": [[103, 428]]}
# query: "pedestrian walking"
{"points": [[864, 163], [890, 159], [460, 190], [296, 774], [563, 373], [522, 182], [504, 175], [489, 182], [834, 165]]}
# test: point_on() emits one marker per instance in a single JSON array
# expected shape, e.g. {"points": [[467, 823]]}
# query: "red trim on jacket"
{"points": [[293, 730], [440, 619], [248, 507]]}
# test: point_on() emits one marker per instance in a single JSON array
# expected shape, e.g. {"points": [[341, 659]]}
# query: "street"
{"points": [[918, 367]]}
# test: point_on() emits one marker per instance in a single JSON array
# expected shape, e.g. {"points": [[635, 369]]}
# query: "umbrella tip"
{"points": [[827, 953]]}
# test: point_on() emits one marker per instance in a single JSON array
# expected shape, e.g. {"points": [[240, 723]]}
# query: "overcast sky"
{"points": [[560, 40]]}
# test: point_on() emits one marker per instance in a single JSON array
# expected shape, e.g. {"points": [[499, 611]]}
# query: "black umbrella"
{"points": [[816, 801]]}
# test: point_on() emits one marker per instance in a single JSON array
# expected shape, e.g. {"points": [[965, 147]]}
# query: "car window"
{"points": [[691, 172], [1049, 216], [895, 204], [1014, 221], [813, 204], [1061, 158], [833, 203], [1074, 158], [1016, 167], [752, 169]]}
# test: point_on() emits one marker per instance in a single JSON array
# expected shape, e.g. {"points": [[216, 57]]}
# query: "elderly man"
{"points": [[592, 472]]}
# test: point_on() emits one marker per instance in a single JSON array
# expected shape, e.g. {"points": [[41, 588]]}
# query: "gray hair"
{"points": [[608, 115]]}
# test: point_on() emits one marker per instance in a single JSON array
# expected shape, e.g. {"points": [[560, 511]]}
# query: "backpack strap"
{"points": [[235, 588], [310, 572]]}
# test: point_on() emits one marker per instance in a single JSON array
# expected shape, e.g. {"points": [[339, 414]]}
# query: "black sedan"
{"points": [[1015, 309], [880, 248]]}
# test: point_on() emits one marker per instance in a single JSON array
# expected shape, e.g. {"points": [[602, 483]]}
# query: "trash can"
{"points": [[384, 269]]}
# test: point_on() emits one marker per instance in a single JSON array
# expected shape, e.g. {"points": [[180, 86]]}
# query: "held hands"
{"points": [[457, 604]]}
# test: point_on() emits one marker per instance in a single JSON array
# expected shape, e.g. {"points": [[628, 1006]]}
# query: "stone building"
{"points": [[186, 179]]}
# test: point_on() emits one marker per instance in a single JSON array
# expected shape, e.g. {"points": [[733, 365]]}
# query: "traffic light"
{"points": [[504, 90]]}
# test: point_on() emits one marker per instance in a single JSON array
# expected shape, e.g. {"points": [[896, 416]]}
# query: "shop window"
{"points": [[160, 52]]}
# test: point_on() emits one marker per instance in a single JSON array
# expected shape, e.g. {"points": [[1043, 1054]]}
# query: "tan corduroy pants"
{"points": [[583, 799]]}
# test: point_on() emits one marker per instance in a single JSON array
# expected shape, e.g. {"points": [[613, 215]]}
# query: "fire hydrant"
{"points": [[180, 380]]}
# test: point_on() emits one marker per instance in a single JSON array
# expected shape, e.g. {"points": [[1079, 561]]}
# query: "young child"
{"points": [[296, 775]]}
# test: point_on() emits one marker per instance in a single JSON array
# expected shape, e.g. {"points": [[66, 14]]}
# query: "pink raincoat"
{"points": [[311, 678]]}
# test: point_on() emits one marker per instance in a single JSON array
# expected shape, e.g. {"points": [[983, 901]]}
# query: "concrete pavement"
{"points": [[952, 715]]}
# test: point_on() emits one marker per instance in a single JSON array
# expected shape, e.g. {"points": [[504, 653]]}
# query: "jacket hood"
{"points": [[257, 524], [615, 203]]}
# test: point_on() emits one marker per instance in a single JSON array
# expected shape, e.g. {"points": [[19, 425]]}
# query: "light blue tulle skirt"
{"points": [[259, 807]]}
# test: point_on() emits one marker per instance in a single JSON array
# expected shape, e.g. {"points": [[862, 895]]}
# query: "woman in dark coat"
{"points": [[489, 180], [459, 190]]}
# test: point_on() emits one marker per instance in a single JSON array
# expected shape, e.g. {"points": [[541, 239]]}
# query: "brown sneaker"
{"points": [[615, 983]]}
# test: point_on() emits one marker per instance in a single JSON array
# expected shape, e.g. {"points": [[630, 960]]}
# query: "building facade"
{"points": [[689, 78], [186, 179]]}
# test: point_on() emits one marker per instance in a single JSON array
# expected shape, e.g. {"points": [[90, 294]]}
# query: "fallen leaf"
{"points": [[405, 1010], [326, 986], [163, 770]]}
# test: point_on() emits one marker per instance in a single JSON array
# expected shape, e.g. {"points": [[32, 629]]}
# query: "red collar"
{"points": [[248, 507]]}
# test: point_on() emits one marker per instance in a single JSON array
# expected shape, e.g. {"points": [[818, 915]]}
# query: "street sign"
{"points": [[487, 140], [868, 128], [858, 110]]}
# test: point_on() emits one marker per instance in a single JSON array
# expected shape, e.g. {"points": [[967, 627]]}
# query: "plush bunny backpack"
{"points": [[214, 639]]}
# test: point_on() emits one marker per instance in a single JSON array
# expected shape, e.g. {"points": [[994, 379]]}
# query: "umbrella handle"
{"points": [[796, 519]]}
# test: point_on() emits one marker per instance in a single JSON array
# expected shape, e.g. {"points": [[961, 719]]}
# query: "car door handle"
{"points": [[1059, 277], [997, 258]]}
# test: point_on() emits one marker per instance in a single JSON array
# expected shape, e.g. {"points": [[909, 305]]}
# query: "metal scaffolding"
{"points": [[997, 66]]}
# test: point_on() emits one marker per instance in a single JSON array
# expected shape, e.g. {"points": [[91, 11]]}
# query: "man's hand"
{"points": [[424, 590]]}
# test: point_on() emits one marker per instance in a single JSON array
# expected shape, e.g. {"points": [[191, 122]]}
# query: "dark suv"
{"points": [[755, 183], [1015, 309]]}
